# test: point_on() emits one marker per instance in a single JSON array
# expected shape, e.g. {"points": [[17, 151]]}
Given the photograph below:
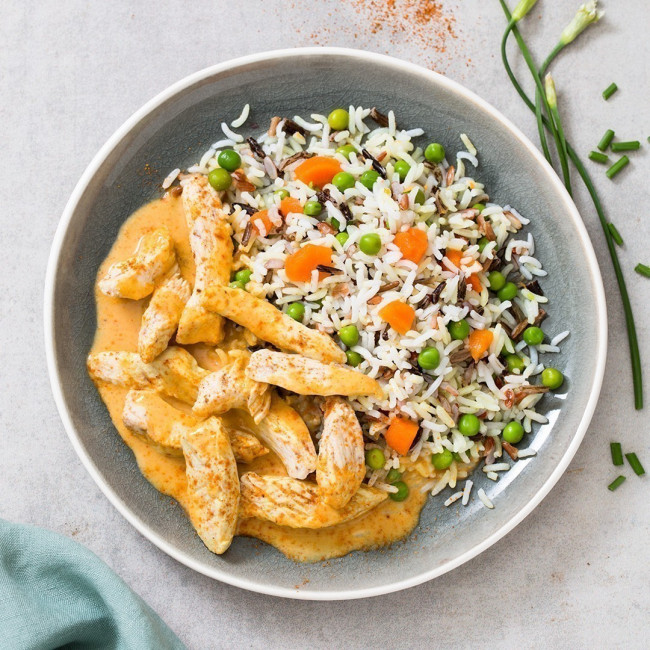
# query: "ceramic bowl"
{"points": [[171, 131]]}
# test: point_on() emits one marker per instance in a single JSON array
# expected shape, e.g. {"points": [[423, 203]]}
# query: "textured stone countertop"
{"points": [[575, 572]]}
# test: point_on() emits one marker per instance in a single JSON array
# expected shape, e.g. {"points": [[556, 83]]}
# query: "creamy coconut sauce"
{"points": [[118, 326]]}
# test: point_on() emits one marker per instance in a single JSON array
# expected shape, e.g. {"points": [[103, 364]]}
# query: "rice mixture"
{"points": [[346, 224]]}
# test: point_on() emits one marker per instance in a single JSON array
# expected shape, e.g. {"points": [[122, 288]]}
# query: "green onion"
{"points": [[551, 98], [635, 358], [610, 90], [615, 483], [617, 453], [606, 139], [642, 269], [596, 156], [630, 145], [617, 166], [635, 464], [616, 236]]}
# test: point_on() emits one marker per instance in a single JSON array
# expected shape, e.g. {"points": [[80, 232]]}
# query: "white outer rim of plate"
{"points": [[430, 76]]}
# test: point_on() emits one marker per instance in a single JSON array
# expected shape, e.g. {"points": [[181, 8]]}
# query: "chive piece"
{"points": [[630, 145], [610, 90], [615, 483], [617, 166], [598, 157], [643, 269], [635, 464], [617, 453], [606, 139], [616, 236]]}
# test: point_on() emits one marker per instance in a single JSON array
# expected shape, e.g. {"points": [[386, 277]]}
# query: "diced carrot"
{"points": [[413, 243], [300, 264], [401, 434], [398, 315], [475, 283], [479, 342], [318, 170], [454, 256], [290, 205], [263, 216]]}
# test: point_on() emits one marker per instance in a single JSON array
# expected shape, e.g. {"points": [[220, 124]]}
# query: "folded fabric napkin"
{"points": [[54, 593]]}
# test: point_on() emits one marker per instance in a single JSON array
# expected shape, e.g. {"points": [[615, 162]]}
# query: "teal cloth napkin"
{"points": [[55, 593]]}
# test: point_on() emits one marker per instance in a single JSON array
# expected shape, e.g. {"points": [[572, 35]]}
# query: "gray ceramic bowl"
{"points": [[171, 131]]}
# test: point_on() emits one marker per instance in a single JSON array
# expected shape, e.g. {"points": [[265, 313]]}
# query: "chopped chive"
{"points": [[630, 145], [616, 236], [610, 90], [596, 156], [615, 483], [635, 464], [606, 139], [617, 453], [643, 269], [617, 166]]}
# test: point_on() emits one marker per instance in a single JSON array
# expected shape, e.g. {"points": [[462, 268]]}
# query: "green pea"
{"points": [[220, 179], [515, 363], [342, 237], [420, 198], [237, 284], [243, 275], [335, 223], [459, 330], [296, 310], [393, 475], [513, 432], [533, 335], [229, 159], [434, 152], [354, 358], [375, 458], [457, 457], [442, 460], [312, 208], [338, 119], [508, 292], [370, 243], [552, 378], [343, 181], [479, 206], [429, 358], [469, 424], [369, 178], [281, 193], [402, 491], [346, 150], [402, 168], [497, 280], [349, 335], [482, 243]]}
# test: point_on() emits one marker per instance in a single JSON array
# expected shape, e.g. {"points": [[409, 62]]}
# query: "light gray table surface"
{"points": [[575, 573]]}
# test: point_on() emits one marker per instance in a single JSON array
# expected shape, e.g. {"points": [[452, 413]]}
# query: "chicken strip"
{"points": [[161, 317], [284, 432], [230, 388], [174, 373], [309, 377], [212, 485], [136, 277], [297, 504], [341, 460], [148, 415], [212, 250], [270, 324]]}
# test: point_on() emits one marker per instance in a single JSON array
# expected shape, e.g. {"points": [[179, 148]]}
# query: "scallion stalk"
{"points": [[586, 179], [610, 90], [616, 483]]}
